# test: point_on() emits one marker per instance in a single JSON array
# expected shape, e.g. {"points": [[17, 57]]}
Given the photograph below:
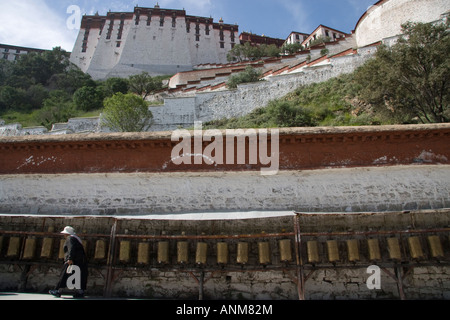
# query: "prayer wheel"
{"points": [[353, 250], [222, 253], [14, 247], [394, 249], [201, 253], [125, 251], [374, 249], [264, 252], [47, 246], [333, 250], [182, 252], [163, 252], [100, 250], [435, 244], [61, 249], [30, 248], [143, 253], [285, 250], [242, 253], [415, 248], [312, 248]]}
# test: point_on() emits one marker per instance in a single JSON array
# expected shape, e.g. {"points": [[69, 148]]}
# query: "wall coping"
{"points": [[166, 135]]}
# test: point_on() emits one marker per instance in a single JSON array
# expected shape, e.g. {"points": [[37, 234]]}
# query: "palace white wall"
{"points": [[376, 189], [385, 19]]}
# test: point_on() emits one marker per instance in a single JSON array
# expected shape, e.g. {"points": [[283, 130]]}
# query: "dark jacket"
{"points": [[73, 250]]}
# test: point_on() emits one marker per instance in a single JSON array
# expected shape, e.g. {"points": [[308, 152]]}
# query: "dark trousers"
{"points": [[62, 283]]}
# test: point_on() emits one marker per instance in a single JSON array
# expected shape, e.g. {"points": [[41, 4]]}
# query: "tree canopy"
{"points": [[410, 80]]}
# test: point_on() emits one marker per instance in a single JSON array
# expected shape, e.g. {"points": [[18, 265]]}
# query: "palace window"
{"points": [[110, 29], [188, 27], [174, 22], [222, 37], [197, 37], [207, 30], [138, 14], [161, 21], [149, 19]]}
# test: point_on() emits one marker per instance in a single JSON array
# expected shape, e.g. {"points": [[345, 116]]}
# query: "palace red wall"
{"points": [[300, 149]]}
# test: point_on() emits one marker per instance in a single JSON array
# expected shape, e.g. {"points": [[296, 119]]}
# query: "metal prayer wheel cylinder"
{"points": [[182, 252], [46, 250], [100, 250], [163, 252], [14, 247], [125, 251], [143, 253], [435, 244], [312, 248], [242, 253], [374, 249], [285, 250], [30, 248], [264, 252], [201, 253], [222, 253], [61, 249], [394, 249], [333, 250], [415, 248], [353, 250]]}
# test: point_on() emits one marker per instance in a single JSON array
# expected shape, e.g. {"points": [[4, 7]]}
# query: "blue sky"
{"points": [[43, 23]]}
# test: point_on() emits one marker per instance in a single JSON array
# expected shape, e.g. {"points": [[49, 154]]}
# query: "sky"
{"points": [[46, 24]]}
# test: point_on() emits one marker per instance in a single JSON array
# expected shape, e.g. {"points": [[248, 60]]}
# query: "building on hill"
{"points": [[256, 40], [13, 53], [326, 33], [296, 37], [155, 40]]}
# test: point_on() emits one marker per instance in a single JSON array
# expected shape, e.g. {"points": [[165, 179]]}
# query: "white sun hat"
{"points": [[68, 230]]}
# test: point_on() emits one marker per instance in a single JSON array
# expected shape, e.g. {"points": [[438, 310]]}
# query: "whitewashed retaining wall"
{"points": [[375, 189]]}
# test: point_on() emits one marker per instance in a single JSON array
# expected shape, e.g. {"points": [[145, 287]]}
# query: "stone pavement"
{"points": [[4, 296]]}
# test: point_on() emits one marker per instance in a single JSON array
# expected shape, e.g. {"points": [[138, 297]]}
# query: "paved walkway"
{"points": [[38, 296]]}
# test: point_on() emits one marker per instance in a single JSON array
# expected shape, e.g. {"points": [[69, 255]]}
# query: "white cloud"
{"points": [[31, 23]]}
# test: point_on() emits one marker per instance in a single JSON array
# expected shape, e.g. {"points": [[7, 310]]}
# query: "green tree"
{"points": [[292, 48], [410, 80], [250, 74], [88, 98], [144, 85], [58, 107], [126, 113], [13, 99], [115, 85]]}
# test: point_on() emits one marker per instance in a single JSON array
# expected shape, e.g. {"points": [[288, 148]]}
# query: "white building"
{"points": [[12, 53], [155, 40]]}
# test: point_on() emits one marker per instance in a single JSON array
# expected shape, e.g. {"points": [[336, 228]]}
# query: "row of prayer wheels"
{"points": [[374, 253], [201, 252], [416, 250], [30, 246]]}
